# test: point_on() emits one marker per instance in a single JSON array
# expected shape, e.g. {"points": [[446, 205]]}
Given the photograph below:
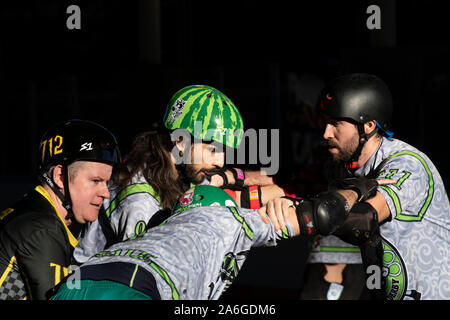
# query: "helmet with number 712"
{"points": [[76, 140], [207, 114]]}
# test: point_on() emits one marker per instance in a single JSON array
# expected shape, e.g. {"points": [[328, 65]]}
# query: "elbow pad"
{"points": [[360, 226], [322, 215]]}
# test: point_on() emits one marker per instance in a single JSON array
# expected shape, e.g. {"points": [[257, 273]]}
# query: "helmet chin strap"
{"points": [[65, 198], [363, 138]]}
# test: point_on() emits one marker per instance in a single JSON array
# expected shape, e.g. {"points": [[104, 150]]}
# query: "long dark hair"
{"points": [[150, 154]]}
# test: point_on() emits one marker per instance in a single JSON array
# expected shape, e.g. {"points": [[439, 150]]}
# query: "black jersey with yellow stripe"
{"points": [[35, 247]]}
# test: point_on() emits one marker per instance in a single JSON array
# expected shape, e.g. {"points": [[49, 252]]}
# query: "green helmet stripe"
{"points": [[187, 92], [229, 114], [192, 114], [208, 114]]}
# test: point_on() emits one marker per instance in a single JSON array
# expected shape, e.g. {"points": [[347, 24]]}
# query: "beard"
{"points": [[346, 151], [188, 174]]}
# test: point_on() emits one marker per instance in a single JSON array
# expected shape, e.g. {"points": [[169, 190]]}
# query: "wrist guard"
{"points": [[251, 197], [365, 188], [238, 174]]}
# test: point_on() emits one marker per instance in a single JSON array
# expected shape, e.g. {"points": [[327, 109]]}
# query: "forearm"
{"points": [[293, 219], [349, 195], [227, 178], [257, 178]]}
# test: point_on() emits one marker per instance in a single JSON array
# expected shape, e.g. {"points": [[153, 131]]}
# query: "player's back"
{"points": [[195, 254]]}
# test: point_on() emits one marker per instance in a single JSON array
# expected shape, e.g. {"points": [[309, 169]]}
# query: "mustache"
{"points": [[329, 143]]}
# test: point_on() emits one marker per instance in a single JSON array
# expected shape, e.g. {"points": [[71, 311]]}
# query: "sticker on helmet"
{"points": [[177, 110], [186, 199], [86, 146]]}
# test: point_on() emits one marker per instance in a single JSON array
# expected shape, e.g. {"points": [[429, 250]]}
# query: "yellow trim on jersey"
{"points": [[5, 212], [8, 269], [73, 241]]}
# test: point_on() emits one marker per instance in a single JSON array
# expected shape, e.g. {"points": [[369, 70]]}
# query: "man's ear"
{"points": [[369, 126], [182, 144], [58, 176]]}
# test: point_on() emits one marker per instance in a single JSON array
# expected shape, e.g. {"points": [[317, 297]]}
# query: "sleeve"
{"points": [[264, 234], [132, 215], [42, 260], [410, 197]]}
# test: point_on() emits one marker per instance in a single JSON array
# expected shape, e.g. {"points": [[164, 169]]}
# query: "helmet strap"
{"points": [[363, 138], [67, 203], [65, 198]]}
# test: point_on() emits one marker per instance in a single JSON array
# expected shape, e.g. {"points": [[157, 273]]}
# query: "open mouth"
{"points": [[332, 148], [206, 172]]}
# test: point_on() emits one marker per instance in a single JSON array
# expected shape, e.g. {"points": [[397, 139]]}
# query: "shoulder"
{"points": [[32, 232], [31, 212], [28, 222], [397, 153], [134, 195]]}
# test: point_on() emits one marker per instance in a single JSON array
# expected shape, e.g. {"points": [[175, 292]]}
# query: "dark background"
{"points": [[121, 68]]}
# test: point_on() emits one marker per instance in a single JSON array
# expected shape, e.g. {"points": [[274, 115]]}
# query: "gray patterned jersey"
{"points": [[197, 253], [331, 249], [128, 209], [417, 239]]}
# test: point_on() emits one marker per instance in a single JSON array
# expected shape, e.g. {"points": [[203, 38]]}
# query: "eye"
{"points": [[211, 149], [334, 123]]}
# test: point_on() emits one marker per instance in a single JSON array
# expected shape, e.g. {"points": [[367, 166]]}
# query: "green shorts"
{"points": [[99, 290]]}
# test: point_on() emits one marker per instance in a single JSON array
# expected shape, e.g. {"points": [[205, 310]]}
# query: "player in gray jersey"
{"points": [[416, 236], [151, 179], [195, 254], [403, 231]]}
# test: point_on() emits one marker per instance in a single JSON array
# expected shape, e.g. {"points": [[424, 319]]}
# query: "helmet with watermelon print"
{"points": [[207, 114], [203, 196]]}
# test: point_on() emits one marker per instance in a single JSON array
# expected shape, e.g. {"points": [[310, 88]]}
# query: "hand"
{"points": [[216, 180], [382, 182], [364, 187], [277, 210]]}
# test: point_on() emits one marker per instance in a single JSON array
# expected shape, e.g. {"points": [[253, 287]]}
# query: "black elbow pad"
{"points": [[331, 210], [360, 226], [322, 215]]}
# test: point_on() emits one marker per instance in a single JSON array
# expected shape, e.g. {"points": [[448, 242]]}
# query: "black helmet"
{"points": [[360, 97], [74, 140], [70, 141]]}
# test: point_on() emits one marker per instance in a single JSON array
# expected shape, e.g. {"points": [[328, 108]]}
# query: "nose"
{"points": [[219, 159], [104, 192], [328, 133]]}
